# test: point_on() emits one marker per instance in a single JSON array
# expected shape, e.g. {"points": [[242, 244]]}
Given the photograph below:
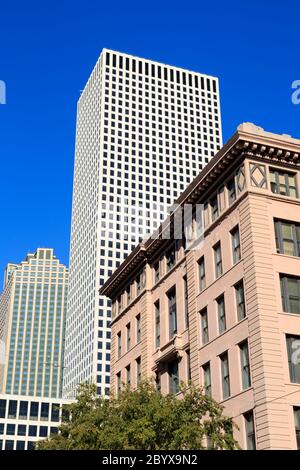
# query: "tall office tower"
{"points": [[144, 131], [32, 325]]}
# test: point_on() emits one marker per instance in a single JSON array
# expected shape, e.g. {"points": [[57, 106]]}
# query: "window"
{"points": [[32, 431], [157, 324], [293, 345], [9, 445], [21, 430], [173, 376], [138, 284], [188, 365], [249, 430], [12, 409], [45, 411], [138, 371], [283, 183], [10, 429], [119, 344], [171, 258], [128, 291], [231, 191], [128, 335], [55, 412], [207, 379], [119, 383], [2, 408], [20, 445], [290, 293], [297, 425], [201, 269], [128, 375], [23, 410], [225, 375], [245, 364], [287, 236], [221, 314], [214, 208], [138, 328], [186, 313], [218, 260], [204, 326], [43, 431], [172, 313], [156, 272], [240, 300], [236, 246]]}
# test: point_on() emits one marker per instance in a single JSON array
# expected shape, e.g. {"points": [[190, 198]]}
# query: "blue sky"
{"points": [[48, 49]]}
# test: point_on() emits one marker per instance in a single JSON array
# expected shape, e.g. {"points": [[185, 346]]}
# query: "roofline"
{"points": [[247, 139]]}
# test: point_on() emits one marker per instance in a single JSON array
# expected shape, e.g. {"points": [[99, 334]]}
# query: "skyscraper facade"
{"points": [[144, 131], [32, 328]]}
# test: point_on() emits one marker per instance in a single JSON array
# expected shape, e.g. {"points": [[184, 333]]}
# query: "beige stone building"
{"points": [[223, 311]]}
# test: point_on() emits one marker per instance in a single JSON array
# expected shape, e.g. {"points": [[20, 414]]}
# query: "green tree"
{"points": [[143, 419]]}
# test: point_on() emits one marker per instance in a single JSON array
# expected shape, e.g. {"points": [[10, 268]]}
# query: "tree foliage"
{"points": [[143, 419]]}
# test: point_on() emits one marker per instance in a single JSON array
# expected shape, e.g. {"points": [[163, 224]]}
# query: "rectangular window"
{"points": [[2, 408], [119, 382], [156, 272], [225, 375], [173, 376], [186, 313], [171, 258], [218, 260], [12, 409], [204, 326], [221, 314], [207, 379], [245, 364], [188, 365], [172, 312], [128, 335], [138, 328], [297, 425], [157, 324], [236, 246], [283, 183], [128, 375], [138, 284], [55, 412], [231, 191], [293, 345], [214, 208], [287, 236], [250, 430], [21, 430], [240, 300], [23, 410], [119, 344], [128, 291], [290, 293], [201, 269], [138, 371], [45, 411]]}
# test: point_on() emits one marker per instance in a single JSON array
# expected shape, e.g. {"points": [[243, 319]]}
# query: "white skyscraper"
{"points": [[144, 131]]}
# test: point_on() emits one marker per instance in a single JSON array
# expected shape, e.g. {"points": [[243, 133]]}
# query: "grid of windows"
{"points": [[37, 288], [158, 127]]}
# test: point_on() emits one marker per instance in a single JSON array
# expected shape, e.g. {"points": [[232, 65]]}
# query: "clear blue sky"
{"points": [[48, 49]]}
